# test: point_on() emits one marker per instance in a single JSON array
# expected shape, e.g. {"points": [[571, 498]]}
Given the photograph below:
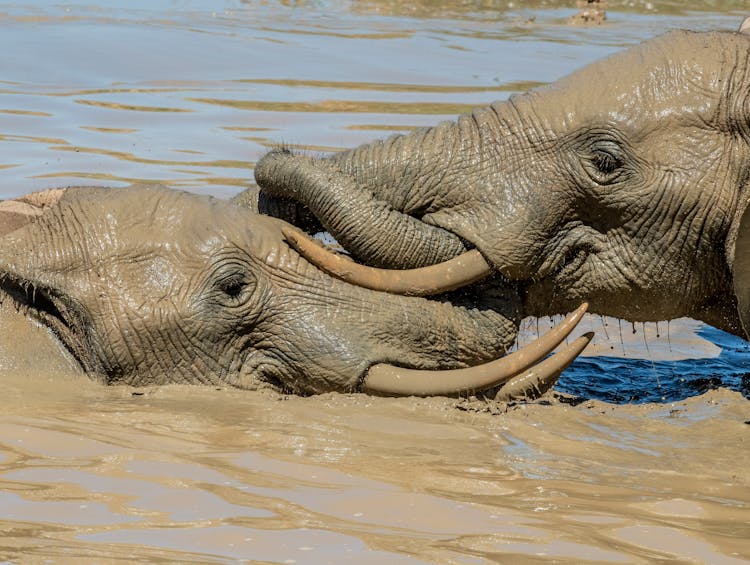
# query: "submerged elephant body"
{"points": [[622, 184]]}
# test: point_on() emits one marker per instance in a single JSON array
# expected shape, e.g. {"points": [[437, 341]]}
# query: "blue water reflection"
{"points": [[640, 380]]}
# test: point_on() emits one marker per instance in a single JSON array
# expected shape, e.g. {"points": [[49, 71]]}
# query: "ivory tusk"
{"points": [[460, 271], [536, 381], [397, 381]]}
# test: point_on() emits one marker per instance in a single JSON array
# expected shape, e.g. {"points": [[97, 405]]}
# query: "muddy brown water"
{"points": [[190, 94]]}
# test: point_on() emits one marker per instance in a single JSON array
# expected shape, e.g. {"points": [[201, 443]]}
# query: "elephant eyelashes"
{"points": [[605, 162], [232, 286]]}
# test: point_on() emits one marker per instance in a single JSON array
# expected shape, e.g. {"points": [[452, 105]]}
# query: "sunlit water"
{"points": [[191, 94]]}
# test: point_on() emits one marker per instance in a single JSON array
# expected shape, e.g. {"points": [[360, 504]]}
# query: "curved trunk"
{"points": [[406, 171], [373, 199], [366, 226]]}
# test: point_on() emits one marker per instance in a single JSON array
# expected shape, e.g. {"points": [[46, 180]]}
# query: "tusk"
{"points": [[533, 383], [460, 271], [397, 381]]}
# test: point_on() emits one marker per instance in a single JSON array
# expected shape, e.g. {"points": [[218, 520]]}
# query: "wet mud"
{"points": [[195, 474], [191, 97]]}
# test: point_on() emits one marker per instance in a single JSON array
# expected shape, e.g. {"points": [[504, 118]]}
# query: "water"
{"points": [[642, 379], [191, 94]]}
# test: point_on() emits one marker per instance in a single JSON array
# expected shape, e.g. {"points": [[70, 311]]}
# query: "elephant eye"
{"points": [[233, 285], [605, 161], [230, 290]]}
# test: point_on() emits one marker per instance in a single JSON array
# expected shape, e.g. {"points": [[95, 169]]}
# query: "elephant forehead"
{"points": [[139, 221], [142, 281], [155, 208], [159, 275], [681, 76]]}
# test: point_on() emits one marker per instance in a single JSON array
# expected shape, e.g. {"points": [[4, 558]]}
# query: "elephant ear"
{"points": [[741, 280], [17, 213], [14, 215]]}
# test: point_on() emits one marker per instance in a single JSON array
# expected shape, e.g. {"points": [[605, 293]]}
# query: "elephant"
{"points": [[145, 286], [624, 184]]}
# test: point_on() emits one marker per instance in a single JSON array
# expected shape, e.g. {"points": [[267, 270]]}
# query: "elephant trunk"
{"points": [[410, 201], [372, 199]]}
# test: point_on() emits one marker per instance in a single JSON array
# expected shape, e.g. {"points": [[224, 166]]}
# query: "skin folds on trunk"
{"points": [[376, 200], [326, 188]]}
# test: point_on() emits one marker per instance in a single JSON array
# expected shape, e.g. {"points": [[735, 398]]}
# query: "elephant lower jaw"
{"points": [[632, 306]]}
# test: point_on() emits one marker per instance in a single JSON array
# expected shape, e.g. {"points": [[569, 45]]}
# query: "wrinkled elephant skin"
{"points": [[146, 285], [623, 184]]}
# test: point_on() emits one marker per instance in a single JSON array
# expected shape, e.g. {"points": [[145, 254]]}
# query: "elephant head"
{"points": [[623, 184], [146, 285]]}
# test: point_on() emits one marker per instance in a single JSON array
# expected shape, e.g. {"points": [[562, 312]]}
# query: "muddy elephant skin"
{"points": [[146, 285], [623, 184]]}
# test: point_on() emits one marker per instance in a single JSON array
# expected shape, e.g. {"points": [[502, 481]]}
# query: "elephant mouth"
{"points": [[562, 263], [571, 262], [53, 311], [522, 366]]}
